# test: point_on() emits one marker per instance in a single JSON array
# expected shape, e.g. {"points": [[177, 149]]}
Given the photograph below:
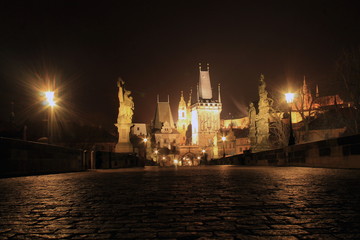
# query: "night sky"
{"points": [[156, 47]]}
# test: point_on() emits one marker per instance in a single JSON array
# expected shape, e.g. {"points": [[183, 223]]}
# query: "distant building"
{"points": [[139, 129]]}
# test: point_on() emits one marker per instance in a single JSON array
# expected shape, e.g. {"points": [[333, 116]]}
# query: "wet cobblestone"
{"points": [[214, 202]]}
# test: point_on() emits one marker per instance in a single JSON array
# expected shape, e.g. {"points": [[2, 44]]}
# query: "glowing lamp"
{"points": [[289, 97], [50, 95]]}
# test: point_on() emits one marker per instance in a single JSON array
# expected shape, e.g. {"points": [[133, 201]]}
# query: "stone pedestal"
{"points": [[124, 145]]}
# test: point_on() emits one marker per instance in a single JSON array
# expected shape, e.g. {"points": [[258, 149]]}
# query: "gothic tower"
{"points": [[205, 112], [183, 119]]}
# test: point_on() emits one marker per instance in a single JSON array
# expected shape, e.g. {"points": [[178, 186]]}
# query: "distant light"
{"points": [[203, 151], [223, 138], [156, 151], [50, 95], [176, 161], [198, 157], [145, 140], [163, 158], [289, 97]]}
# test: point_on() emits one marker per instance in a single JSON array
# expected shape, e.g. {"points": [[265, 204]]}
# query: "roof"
{"points": [[163, 114], [205, 91]]}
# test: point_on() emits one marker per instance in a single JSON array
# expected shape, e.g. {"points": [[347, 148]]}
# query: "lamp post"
{"points": [[289, 99], [223, 138], [50, 102], [145, 142]]}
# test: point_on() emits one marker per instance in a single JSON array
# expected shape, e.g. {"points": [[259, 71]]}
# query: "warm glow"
{"points": [[223, 138], [145, 140], [176, 161], [156, 151], [203, 151], [199, 158], [289, 97], [50, 98], [163, 158]]}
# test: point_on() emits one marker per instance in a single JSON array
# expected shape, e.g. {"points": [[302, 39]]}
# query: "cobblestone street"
{"points": [[210, 202]]}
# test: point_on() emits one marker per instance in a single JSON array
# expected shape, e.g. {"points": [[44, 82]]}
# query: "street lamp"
{"points": [[223, 138], [50, 102], [145, 141], [289, 97]]}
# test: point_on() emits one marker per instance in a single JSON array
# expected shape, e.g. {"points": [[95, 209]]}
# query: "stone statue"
{"points": [[126, 108], [252, 124], [124, 120]]}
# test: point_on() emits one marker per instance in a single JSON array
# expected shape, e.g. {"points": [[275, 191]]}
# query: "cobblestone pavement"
{"points": [[214, 202]]}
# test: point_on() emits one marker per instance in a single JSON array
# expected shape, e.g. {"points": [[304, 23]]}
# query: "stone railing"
{"points": [[341, 152]]}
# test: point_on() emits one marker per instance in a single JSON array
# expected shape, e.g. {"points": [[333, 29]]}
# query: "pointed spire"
{"points": [[199, 66], [182, 103], [168, 98], [190, 94], [157, 98], [208, 67], [317, 90], [305, 88], [219, 97]]}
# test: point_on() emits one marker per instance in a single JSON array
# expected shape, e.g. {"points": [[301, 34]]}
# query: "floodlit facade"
{"points": [[205, 112]]}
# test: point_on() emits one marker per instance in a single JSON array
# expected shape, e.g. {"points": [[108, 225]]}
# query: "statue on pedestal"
{"points": [[124, 120]]}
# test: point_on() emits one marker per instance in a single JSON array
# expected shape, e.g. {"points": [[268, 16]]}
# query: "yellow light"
{"points": [[163, 158], [50, 98], [198, 158], [203, 151], [156, 151], [176, 161], [289, 97], [145, 140], [223, 138]]}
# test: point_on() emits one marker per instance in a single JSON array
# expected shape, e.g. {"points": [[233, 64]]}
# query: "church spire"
{"points": [[219, 96], [190, 94], [305, 88], [317, 91], [182, 103]]}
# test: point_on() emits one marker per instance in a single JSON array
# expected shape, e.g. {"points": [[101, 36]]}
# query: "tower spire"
{"points": [[199, 66], [168, 98], [189, 102], [157, 98], [317, 91], [208, 67], [219, 97], [304, 86]]}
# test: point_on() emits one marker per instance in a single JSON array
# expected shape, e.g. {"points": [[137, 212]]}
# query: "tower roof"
{"points": [[182, 103], [205, 91], [163, 114]]}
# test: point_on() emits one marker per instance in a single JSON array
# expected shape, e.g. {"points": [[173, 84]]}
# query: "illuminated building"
{"points": [[205, 112]]}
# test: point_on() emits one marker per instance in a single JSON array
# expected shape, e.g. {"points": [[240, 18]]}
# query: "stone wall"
{"points": [[341, 152], [19, 157], [106, 160]]}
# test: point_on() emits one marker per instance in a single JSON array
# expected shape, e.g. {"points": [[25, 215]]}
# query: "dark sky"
{"points": [[156, 47]]}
